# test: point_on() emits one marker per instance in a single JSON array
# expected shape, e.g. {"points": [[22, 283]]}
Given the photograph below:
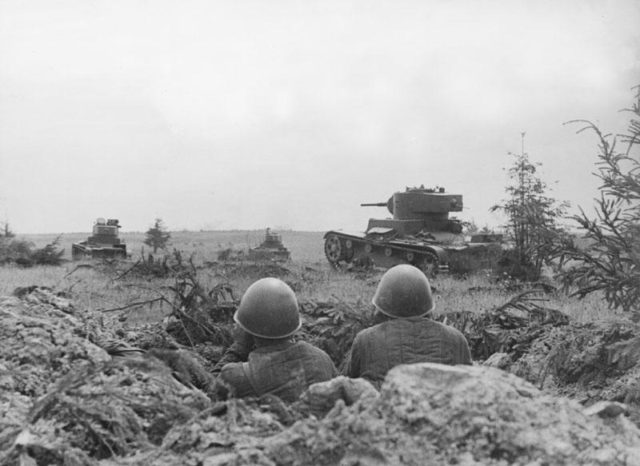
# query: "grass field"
{"points": [[95, 287], [304, 246]]}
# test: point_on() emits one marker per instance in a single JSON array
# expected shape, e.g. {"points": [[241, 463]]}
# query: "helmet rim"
{"points": [[266, 337], [393, 316]]}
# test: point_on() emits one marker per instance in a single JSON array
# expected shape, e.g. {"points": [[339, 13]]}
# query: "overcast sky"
{"points": [[289, 114]]}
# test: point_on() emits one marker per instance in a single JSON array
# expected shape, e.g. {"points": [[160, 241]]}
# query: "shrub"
{"points": [[23, 253], [610, 259], [157, 236], [532, 219]]}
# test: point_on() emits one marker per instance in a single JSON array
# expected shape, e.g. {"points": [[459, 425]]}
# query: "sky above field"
{"points": [[246, 114]]}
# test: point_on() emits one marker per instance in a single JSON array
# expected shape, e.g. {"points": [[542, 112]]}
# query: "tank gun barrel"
{"points": [[374, 204]]}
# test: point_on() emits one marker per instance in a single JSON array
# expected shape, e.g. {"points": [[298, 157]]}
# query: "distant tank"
{"points": [[104, 243], [270, 249], [420, 233]]}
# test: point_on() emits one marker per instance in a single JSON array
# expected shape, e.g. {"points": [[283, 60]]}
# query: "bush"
{"points": [[51, 254], [157, 236], [610, 260], [532, 219], [23, 253]]}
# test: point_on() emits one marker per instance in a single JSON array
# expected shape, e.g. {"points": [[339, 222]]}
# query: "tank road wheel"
{"points": [[333, 250], [429, 263]]}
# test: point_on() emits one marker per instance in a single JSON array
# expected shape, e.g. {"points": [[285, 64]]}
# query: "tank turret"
{"points": [[105, 232], [419, 209]]}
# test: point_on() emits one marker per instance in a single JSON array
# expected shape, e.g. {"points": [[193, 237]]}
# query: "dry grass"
{"points": [[305, 246], [311, 277]]}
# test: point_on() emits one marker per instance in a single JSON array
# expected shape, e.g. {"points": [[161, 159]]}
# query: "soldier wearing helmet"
{"points": [[269, 312], [405, 336]]}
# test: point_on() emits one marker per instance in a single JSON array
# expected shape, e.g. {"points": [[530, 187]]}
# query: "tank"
{"points": [[270, 249], [421, 232], [103, 243]]}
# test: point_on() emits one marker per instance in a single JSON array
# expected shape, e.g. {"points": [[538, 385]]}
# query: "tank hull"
{"points": [[433, 257], [262, 254], [86, 250]]}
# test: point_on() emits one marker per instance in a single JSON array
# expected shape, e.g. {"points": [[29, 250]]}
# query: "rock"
{"points": [[498, 360], [606, 409], [321, 397], [445, 415], [624, 355]]}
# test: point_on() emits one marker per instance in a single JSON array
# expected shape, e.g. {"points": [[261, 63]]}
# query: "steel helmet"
{"points": [[404, 291], [269, 309]]}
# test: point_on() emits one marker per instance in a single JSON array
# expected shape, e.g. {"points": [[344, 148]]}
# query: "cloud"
{"points": [[243, 114]]}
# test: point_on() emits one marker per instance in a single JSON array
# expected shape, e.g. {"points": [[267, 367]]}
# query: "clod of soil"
{"points": [[424, 414], [64, 400]]}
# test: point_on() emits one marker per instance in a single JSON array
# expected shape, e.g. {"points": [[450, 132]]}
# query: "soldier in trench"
{"points": [[243, 344], [405, 334], [268, 314]]}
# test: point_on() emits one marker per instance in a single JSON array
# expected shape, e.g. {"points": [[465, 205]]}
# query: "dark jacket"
{"points": [[239, 351], [404, 341], [284, 370]]}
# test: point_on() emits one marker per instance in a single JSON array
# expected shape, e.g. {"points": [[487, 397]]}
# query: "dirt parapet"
{"points": [[589, 362], [64, 400], [40, 342], [428, 414]]}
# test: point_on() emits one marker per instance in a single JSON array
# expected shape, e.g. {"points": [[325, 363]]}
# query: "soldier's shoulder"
{"points": [[306, 346], [373, 332], [454, 332], [363, 333], [311, 349]]}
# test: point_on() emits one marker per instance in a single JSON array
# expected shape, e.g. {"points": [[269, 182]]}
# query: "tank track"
{"points": [[343, 249]]}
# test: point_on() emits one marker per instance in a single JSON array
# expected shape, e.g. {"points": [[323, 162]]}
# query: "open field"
{"points": [[304, 246], [96, 289]]}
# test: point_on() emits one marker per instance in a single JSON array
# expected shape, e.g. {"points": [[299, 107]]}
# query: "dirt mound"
{"points": [[589, 362], [64, 400], [41, 339], [425, 413], [511, 327]]}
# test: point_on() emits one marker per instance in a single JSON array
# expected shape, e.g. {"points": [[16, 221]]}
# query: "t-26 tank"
{"points": [[270, 249], [104, 243], [420, 233]]}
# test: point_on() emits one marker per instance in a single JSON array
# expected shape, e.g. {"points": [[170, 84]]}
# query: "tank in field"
{"points": [[270, 249], [103, 243], [420, 233]]}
